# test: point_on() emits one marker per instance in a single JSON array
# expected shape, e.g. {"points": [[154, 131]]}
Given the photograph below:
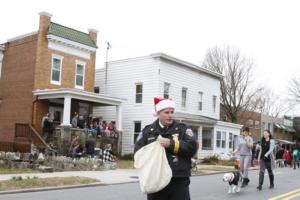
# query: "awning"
{"points": [[187, 117], [284, 141]]}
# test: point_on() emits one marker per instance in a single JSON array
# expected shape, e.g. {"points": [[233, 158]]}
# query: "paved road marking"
{"points": [[287, 196]]}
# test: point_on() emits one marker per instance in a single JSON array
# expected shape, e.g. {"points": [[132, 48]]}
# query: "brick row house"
{"points": [[50, 70]]}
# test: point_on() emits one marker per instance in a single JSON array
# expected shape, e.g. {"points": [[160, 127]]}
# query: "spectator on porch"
{"points": [[75, 120], [81, 122], [47, 127]]}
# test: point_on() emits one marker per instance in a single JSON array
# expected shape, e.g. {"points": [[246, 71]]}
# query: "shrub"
{"points": [[211, 159]]}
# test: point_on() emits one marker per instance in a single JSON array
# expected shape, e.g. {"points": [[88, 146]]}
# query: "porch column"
{"points": [[119, 117], [67, 111], [199, 139]]}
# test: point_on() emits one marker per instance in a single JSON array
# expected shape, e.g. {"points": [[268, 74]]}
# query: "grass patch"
{"points": [[43, 182], [7, 170], [214, 160], [125, 164]]}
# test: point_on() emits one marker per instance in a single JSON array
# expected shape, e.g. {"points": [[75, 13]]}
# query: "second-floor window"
{"points": [[250, 123], [214, 103], [166, 90], [139, 93], [200, 103], [56, 69], [79, 77], [256, 124], [183, 97]]}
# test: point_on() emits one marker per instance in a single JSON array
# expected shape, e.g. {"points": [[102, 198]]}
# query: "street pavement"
{"points": [[209, 187]]}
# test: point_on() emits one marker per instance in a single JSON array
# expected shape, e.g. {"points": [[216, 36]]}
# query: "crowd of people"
{"points": [[96, 126]]}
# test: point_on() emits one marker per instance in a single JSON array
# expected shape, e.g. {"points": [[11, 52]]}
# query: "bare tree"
{"points": [[271, 104], [236, 92], [294, 89]]}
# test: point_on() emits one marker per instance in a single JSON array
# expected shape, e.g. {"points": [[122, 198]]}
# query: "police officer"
{"points": [[180, 145]]}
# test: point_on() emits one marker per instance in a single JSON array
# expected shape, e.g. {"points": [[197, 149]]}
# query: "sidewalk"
{"points": [[108, 177], [117, 176]]}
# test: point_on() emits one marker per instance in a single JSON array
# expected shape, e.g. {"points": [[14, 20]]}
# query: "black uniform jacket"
{"points": [[183, 145]]}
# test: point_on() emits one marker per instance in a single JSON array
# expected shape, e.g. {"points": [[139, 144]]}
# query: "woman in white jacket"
{"points": [[266, 159]]}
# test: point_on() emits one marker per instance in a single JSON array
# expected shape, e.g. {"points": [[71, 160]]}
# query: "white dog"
{"points": [[233, 180]]}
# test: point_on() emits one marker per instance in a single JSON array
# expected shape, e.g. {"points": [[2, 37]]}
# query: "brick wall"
{"points": [[16, 85]]}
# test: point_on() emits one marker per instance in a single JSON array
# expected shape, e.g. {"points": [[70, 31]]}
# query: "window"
{"points": [[218, 139], [139, 93], [200, 101], [214, 103], [221, 139], [183, 97], [56, 69], [79, 78], [137, 130], [206, 140], [97, 90], [250, 123], [230, 140], [166, 90], [256, 124]]}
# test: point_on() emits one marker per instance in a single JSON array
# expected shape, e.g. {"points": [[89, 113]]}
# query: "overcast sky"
{"points": [[266, 31]]}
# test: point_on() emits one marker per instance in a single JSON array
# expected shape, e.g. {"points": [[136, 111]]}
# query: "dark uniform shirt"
{"points": [[182, 147]]}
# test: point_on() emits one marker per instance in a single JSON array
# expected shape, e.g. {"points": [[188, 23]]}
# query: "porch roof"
{"points": [[78, 94], [194, 118]]}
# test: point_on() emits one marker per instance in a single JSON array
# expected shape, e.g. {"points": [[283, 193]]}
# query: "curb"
{"points": [[62, 187], [52, 188], [214, 173]]}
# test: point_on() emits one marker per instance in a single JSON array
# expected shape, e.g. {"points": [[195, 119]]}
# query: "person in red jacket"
{"points": [[287, 157]]}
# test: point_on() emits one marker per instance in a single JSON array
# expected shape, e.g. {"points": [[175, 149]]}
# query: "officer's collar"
{"points": [[160, 124]]}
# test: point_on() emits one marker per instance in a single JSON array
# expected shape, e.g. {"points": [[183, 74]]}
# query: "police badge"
{"points": [[189, 132]]}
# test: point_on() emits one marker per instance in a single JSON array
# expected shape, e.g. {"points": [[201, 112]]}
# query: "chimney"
{"points": [[45, 19], [93, 34]]}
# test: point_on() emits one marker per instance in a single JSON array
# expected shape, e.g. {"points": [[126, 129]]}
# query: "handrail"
{"points": [[38, 136]]}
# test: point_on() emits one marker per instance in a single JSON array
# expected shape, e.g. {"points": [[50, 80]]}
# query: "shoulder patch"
{"points": [[189, 132]]}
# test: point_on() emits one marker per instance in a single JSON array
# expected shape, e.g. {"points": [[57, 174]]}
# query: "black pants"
{"points": [[265, 164], [177, 189]]}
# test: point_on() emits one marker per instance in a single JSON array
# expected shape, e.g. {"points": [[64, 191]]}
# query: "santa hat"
{"points": [[161, 103]]}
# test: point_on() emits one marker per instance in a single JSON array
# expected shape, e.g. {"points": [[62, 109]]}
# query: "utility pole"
{"points": [[106, 61]]}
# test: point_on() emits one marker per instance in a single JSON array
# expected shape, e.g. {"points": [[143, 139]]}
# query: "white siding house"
{"points": [[195, 90]]}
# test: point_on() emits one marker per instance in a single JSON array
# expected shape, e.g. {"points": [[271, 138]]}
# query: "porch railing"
{"points": [[25, 134]]}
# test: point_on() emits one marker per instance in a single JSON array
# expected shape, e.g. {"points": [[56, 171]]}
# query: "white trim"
{"points": [[77, 94], [67, 42], [93, 30], [70, 47], [43, 13], [21, 36], [78, 62], [55, 56], [173, 59]]}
